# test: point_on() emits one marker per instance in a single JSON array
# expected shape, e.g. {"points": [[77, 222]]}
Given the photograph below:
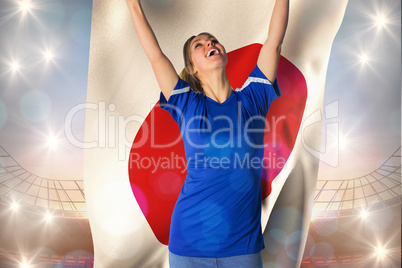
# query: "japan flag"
{"points": [[134, 166]]}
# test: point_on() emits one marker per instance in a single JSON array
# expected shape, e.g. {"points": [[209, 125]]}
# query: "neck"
{"points": [[216, 85]]}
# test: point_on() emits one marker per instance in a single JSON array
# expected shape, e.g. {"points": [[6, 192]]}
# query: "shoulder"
{"points": [[181, 95], [181, 87], [256, 77]]}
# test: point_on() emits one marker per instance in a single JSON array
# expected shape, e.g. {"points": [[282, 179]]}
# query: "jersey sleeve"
{"points": [[258, 92], [177, 101]]}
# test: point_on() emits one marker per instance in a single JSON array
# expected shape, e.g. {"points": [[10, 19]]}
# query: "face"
{"points": [[206, 54]]}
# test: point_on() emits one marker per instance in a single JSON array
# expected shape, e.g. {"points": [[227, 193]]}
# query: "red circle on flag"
{"points": [[157, 163]]}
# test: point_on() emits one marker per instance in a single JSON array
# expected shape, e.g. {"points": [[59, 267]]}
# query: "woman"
{"points": [[216, 220]]}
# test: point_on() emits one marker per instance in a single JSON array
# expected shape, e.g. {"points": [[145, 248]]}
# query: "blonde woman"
{"points": [[216, 221]]}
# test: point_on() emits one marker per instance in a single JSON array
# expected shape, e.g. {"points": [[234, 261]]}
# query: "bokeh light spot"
{"points": [[292, 244], [277, 239], [309, 247]]}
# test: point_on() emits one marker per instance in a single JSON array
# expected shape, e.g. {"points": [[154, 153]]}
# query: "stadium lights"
{"points": [[364, 213], [48, 54], [49, 217], [380, 252], [52, 141], [25, 264], [25, 6], [364, 59], [15, 206], [15, 66], [343, 140], [380, 21]]}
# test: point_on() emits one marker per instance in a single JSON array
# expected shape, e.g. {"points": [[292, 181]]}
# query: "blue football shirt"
{"points": [[218, 212]]}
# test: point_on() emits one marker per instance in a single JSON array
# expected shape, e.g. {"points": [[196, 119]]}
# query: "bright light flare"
{"points": [[52, 141], [48, 55], [49, 217], [15, 206], [314, 216], [25, 6], [364, 214], [344, 141], [15, 66], [25, 264], [364, 59], [384, 17], [380, 21], [381, 252]]}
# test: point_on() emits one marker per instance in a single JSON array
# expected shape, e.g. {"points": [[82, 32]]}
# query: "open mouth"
{"points": [[212, 52]]}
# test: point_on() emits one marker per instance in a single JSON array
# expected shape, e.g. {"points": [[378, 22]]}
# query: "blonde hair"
{"points": [[192, 80]]}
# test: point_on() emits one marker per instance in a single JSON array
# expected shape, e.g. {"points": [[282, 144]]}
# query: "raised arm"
{"points": [[164, 71], [270, 52]]}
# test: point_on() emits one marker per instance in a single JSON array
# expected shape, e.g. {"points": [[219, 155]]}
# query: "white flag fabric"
{"points": [[122, 91]]}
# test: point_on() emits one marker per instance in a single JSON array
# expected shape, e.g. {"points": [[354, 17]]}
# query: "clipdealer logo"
{"points": [[239, 161], [201, 161], [110, 130]]}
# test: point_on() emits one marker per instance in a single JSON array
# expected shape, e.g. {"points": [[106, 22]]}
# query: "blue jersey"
{"points": [[218, 212]]}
